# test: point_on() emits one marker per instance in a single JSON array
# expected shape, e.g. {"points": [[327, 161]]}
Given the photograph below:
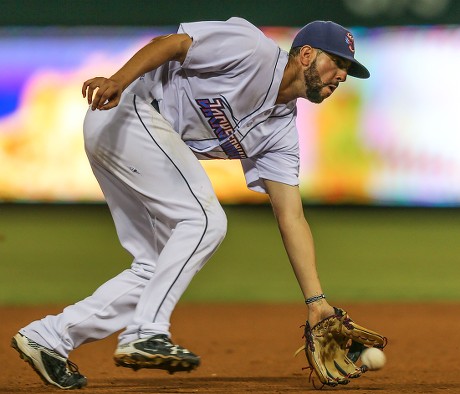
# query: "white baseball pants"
{"points": [[167, 217]]}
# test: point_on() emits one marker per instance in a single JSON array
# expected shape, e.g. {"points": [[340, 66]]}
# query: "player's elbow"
{"points": [[288, 220]]}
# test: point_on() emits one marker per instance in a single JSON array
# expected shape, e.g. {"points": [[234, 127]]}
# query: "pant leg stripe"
{"points": [[193, 194]]}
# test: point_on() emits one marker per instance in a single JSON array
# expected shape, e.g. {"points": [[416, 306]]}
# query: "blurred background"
{"points": [[380, 173]]}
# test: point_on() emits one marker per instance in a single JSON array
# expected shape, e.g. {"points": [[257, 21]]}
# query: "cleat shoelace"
{"points": [[172, 348]]}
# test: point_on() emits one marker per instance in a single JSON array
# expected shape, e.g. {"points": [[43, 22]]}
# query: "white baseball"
{"points": [[373, 358]]}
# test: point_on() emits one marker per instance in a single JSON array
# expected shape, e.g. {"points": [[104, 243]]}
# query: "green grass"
{"points": [[62, 253], [386, 254]]}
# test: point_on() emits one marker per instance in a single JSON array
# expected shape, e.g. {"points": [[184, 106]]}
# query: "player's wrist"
{"points": [[315, 298]]}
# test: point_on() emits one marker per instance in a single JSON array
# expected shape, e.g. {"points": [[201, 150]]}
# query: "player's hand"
{"points": [[334, 344], [102, 93], [318, 311]]}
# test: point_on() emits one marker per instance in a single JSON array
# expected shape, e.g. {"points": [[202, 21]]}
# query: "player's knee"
{"points": [[217, 225]]}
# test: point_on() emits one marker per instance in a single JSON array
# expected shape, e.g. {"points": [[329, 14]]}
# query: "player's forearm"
{"points": [[105, 93], [296, 234], [159, 51], [298, 242]]}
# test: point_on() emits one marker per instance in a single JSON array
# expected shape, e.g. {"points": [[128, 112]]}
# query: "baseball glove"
{"points": [[334, 345]]}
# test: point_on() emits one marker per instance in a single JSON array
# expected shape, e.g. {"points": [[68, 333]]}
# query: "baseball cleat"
{"points": [[156, 352], [49, 365]]}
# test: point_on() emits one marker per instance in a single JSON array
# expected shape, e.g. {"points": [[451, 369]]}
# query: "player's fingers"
{"points": [[90, 86], [102, 93], [90, 94], [110, 104], [106, 97], [98, 98], [84, 88]]}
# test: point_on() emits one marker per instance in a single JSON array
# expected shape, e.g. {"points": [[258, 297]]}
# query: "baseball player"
{"points": [[214, 90]]}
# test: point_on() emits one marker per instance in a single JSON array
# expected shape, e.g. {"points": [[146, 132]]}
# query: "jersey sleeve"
{"points": [[276, 166], [219, 46]]}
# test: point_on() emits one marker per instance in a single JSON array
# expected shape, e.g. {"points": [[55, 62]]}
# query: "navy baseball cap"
{"points": [[334, 39]]}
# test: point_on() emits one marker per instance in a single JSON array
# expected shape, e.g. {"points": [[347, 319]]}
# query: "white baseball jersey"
{"points": [[221, 100]]}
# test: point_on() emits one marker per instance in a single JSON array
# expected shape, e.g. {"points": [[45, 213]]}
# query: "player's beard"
{"points": [[313, 84]]}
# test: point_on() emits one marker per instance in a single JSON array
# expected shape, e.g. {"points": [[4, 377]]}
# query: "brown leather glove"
{"points": [[334, 345]]}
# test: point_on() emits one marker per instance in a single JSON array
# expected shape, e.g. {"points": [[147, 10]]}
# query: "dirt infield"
{"points": [[249, 349]]}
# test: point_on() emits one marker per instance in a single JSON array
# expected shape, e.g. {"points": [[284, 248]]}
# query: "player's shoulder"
{"points": [[236, 20], [250, 36], [235, 39], [244, 26], [232, 28]]}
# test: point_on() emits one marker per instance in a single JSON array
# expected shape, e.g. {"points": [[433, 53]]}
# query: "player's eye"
{"points": [[341, 63]]}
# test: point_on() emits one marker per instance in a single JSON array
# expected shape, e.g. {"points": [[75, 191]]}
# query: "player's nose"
{"points": [[341, 75]]}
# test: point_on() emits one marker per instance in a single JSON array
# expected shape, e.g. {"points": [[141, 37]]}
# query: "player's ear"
{"points": [[306, 55]]}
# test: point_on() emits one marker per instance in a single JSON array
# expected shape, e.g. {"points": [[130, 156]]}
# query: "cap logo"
{"points": [[350, 42]]}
